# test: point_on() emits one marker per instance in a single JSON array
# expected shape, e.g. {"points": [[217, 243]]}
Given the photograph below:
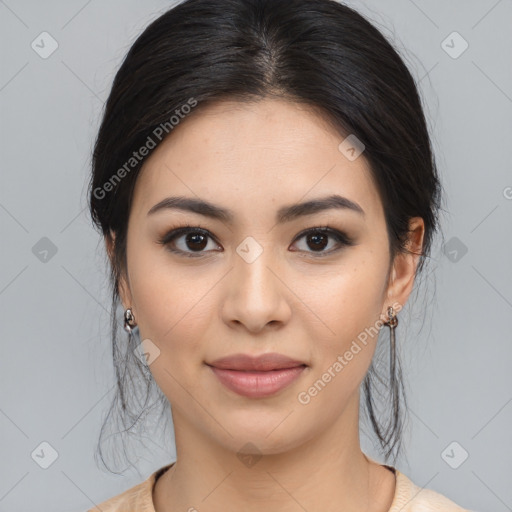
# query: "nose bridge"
{"points": [[253, 265], [256, 296]]}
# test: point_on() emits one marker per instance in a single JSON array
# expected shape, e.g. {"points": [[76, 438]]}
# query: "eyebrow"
{"points": [[284, 214]]}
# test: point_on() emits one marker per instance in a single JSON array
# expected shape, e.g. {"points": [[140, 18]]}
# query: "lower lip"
{"points": [[257, 384]]}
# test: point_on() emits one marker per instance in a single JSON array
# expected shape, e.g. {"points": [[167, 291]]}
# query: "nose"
{"points": [[257, 295]]}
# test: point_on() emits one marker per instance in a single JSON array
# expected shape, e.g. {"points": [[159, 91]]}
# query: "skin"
{"points": [[254, 158]]}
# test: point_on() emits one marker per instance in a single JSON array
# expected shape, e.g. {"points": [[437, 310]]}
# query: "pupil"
{"points": [[194, 238], [315, 239]]}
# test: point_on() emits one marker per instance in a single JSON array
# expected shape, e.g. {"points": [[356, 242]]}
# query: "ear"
{"points": [[124, 288], [402, 274]]}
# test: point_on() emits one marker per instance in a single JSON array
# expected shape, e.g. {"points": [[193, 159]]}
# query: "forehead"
{"points": [[264, 153]]}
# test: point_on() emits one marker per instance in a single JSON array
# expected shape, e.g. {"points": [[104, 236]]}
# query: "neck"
{"points": [[327, 472]]}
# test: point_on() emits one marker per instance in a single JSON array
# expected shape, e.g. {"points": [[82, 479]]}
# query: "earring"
{"points": [[392, 323], [129, 321], [386, 431], [393, 381]]}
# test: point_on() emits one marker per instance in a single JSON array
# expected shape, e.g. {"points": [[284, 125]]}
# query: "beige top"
{"points": [[408, 497]]}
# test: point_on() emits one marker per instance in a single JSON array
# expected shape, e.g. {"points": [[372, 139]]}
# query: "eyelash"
{"points": [[342, 238]]}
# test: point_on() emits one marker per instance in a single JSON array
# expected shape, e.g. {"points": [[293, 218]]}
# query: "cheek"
{"points": [[347, 305], [168, 295], [174, 311], [348, 299], [172, 315]]}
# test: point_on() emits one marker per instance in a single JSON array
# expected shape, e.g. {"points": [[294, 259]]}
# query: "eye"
{"points": [[194, 238], [192, 241], [318, 240]]}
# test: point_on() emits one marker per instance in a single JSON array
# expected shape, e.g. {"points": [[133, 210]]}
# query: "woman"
{"points": [[264, 181]]}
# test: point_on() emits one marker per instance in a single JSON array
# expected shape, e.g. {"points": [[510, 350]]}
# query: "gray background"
{"points": [[56, 367]]}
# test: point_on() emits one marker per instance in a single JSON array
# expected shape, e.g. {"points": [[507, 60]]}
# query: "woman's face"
{"points": [[254, 284]]}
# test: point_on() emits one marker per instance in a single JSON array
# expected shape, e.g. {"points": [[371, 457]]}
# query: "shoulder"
{"points": [[409, 497], [138, 497]]}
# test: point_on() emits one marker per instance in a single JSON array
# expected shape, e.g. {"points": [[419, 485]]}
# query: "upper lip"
{"points": [[264, 362]]}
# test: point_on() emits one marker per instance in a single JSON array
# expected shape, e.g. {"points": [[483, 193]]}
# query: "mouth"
{"points": [[257, 377], [262, 363]]}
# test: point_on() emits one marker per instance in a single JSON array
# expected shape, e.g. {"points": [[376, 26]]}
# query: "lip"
{"points": [[254, 384], [264, 362], [257, 377]]}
